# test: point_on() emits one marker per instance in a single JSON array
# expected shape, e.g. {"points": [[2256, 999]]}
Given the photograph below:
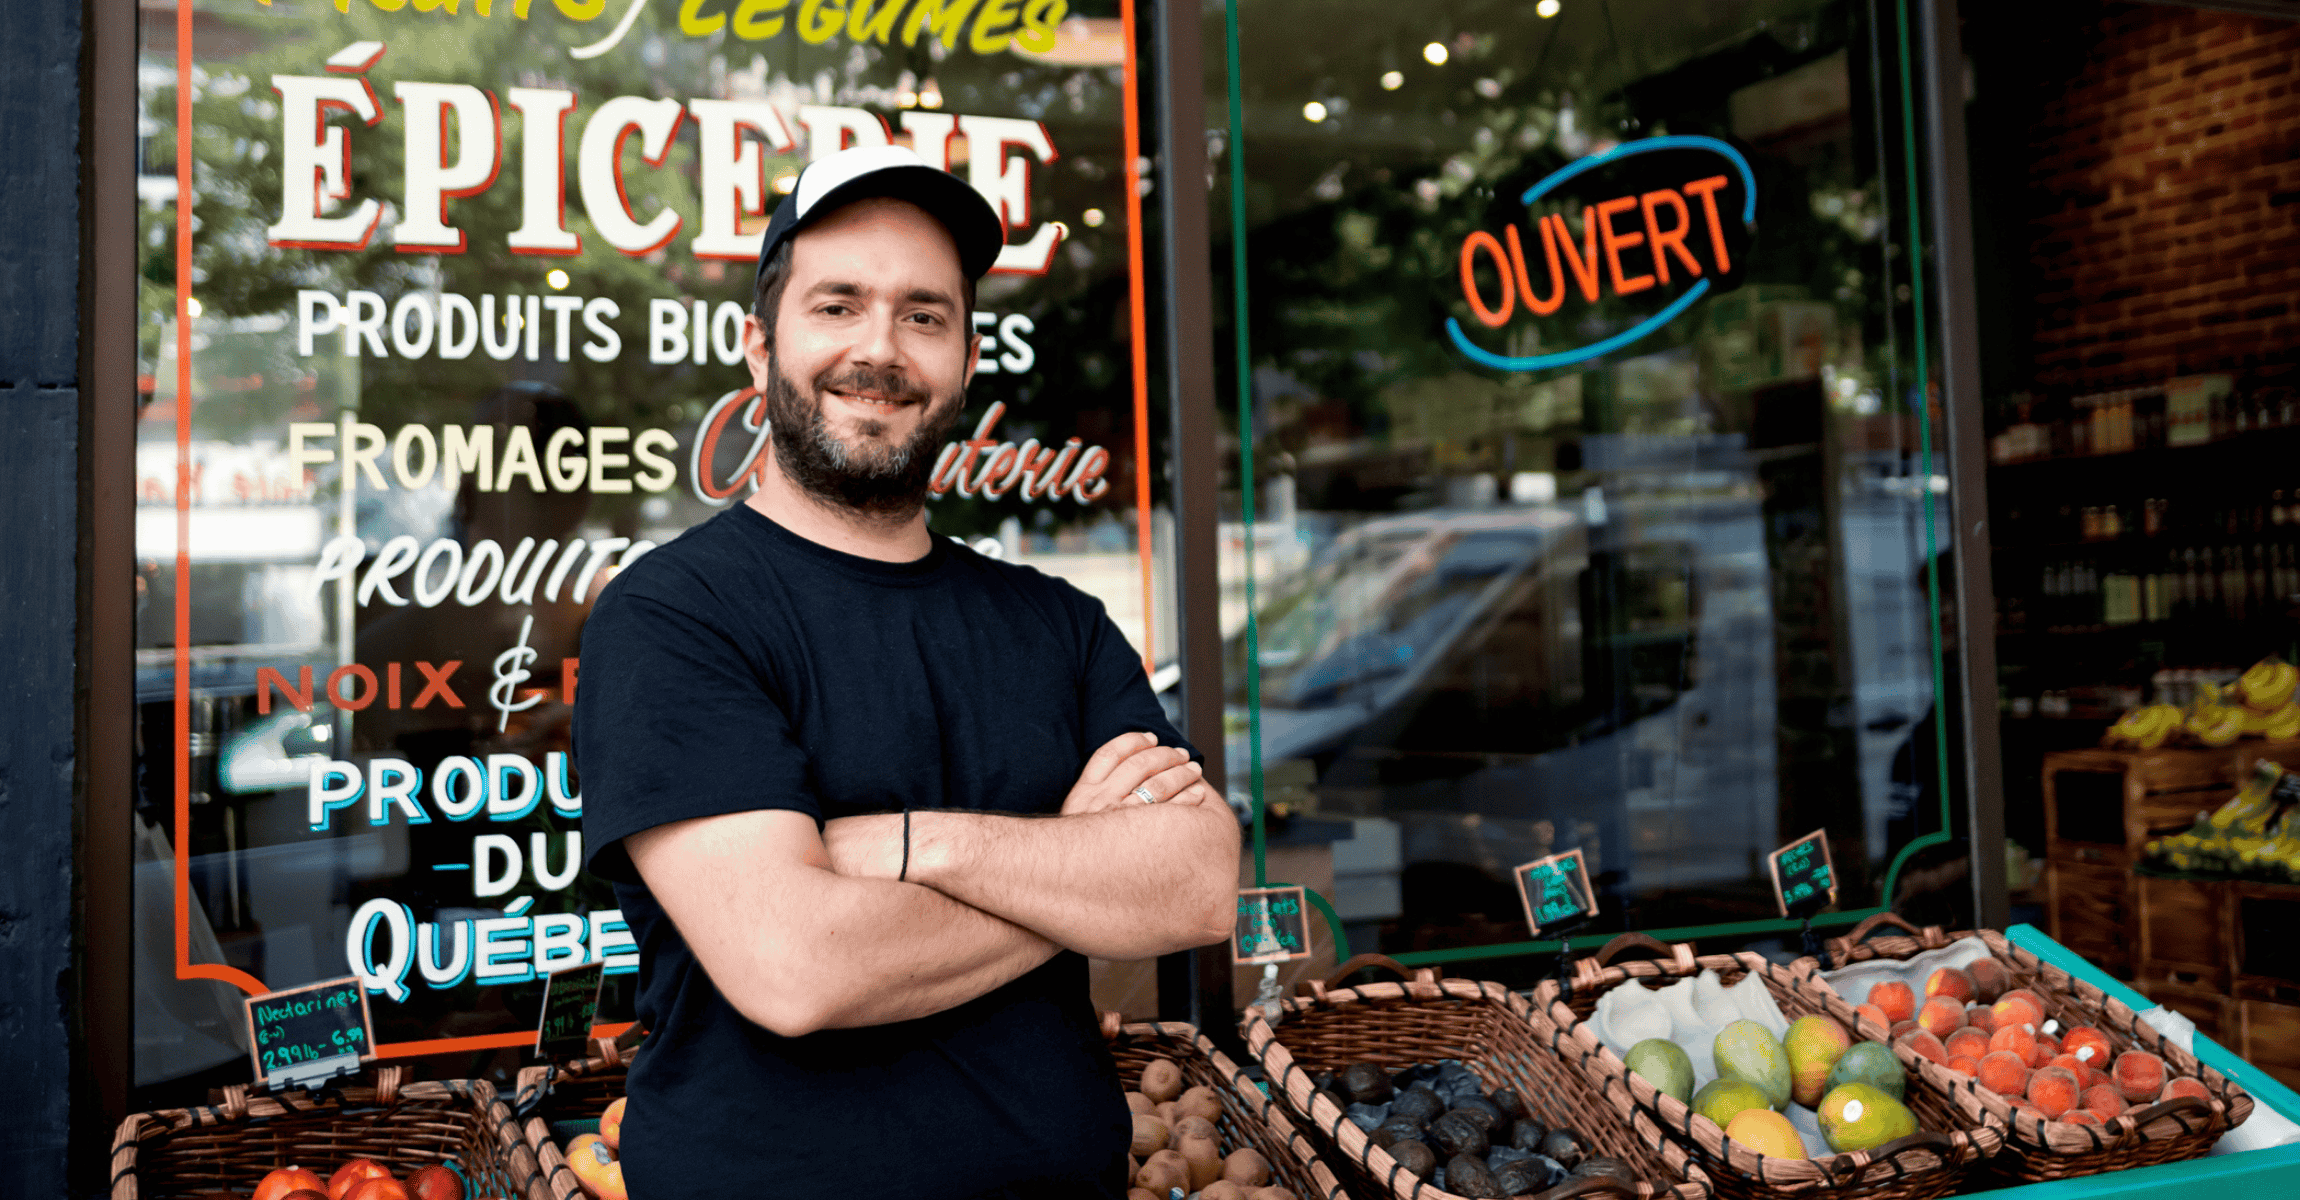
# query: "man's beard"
{"points": [[882, 482]]}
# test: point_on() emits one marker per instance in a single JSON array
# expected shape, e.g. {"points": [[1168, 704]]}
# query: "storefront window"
{"points": [[462, 300], [1589, 494]]}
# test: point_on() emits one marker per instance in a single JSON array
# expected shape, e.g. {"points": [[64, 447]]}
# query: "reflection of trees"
{"points": [[1356, 221]]}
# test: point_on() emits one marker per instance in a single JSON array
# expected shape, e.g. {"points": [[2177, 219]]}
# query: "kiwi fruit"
{"points": [[1189, 1127], [1246, 1167], [1365, 1083], [1163, 1172], [1204, 1158], [1137, 1102], [1222, 1189], [1150, 1136], [1271, 1193], [1200, 1102], [1467, 1175], [1161, 1080], [1164, 1111], [1415, 1157]]}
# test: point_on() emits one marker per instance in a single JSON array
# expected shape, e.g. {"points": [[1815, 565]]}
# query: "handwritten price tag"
{"points": [[570, 1006], [308, 1035], [1804, 881], [1273, 927], [1556, 893]]}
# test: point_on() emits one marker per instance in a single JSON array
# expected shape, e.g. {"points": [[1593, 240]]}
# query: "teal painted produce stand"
{"points": [[2271, 1174]]}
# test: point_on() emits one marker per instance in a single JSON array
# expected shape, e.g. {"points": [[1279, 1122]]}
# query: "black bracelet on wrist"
{"points": [[903, 875]]}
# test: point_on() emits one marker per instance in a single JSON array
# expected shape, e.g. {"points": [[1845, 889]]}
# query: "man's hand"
{"points": [[1136, 760]]}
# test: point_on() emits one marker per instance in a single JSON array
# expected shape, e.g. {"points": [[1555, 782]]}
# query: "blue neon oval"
{"points": [[1677, 307]]}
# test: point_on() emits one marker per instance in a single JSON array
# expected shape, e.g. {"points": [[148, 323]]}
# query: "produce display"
{"points": [[360, 1179], [591, 1156], [1177, 1147], [1440, 1123], [2259, 704], [1777, 1095], [2255, 835]]}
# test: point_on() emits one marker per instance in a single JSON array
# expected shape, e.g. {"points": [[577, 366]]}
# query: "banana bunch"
{"points": [[2144, 728], [2276, 859], [2210, 722], [2246, 813], [2267, 692]]}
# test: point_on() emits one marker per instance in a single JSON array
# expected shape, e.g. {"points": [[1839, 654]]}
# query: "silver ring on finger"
{"points": [[1144, 795]]}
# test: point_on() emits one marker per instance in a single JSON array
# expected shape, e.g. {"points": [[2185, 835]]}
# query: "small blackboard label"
{"points": [[1273, 926], [1803, 879], [310, 1034], [570, 1006], [1556, 893]]}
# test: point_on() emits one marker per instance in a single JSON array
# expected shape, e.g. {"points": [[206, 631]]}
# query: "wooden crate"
{"points": [[2102, 806], [2211, 1010], [2268, 1037], [2183, 927], [2263, 945], [2089, 912]]}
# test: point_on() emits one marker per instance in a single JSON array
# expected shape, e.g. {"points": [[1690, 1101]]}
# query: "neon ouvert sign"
{"points": [[1695, 210]]}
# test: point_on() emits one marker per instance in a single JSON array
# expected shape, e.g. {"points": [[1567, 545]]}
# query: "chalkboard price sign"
{"points": [[1803, 879], [1556, 893], [570, 1006], [310, 1034], [1273, 926]]}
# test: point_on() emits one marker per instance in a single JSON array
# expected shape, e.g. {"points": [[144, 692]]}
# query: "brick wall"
{"points": [[2165, 182]]}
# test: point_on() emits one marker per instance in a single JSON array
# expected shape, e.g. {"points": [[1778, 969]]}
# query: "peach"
{"points": [[611, 1124], [351, 1174], [2095, 1077], [2053, 1090], [2046, 1050], [2185, 1085], [2018, 1007], [2078, 1116], [436, 1182], [385, 1188], [2019, 1039], [1967, 1041], [1901, 1027], [1941, 1016], [1990, 979], [1981, 1017], [289, 1179], [1965, 1064], [1895, 998], [1953, 983], [2074, 1067], [2004, 1073], [2139, 1075], [598, 1173], [2090, 1046], [1870, 1012], [2104, 1102], [1925, 1044]]}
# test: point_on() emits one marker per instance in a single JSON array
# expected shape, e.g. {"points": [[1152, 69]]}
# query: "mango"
{"points": [[1856, 1116], [1664, 1065], [1767, 1132], [1873, 1064], [1747, 1051], [1814, 1045], [1721, 1100]]}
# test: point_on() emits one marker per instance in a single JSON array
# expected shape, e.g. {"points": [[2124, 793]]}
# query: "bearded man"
{"points": [[868, 798]]}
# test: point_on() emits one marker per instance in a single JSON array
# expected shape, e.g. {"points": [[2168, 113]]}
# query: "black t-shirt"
{"points": [[742, 667]]}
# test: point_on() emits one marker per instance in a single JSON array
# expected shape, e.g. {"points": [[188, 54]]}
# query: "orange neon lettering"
{"points": [[1583, 263], [1539, 307], [1666, 241], [1707, 189], [1617, 241], [1481, 240]]}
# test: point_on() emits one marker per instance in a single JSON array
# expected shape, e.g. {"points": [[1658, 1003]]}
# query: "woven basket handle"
{"points": [[1843, 1170], [2138, 1119], [1842, 948], [1587, 1185], [1317, 988]]}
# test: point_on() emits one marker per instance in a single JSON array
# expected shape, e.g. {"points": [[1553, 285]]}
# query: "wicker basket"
{"points": [[182, 1152], [581, 1091], [1250, 1119], [1932, 1162], [1490, 1030], [2037, 1149], [576, 1091]]}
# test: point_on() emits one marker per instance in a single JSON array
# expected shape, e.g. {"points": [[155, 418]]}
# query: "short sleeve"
{"points": [[672, 722], [1115, 695]]}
